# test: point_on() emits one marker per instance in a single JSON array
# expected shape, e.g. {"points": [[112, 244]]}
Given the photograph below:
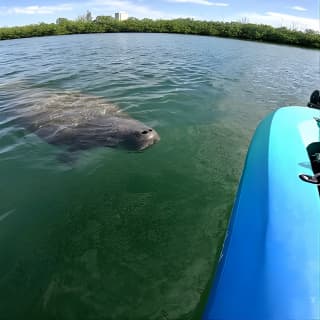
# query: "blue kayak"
{"points": [[269, 267]]}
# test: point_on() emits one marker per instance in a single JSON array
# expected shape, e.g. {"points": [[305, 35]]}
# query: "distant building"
{"points": [[121, 16]]}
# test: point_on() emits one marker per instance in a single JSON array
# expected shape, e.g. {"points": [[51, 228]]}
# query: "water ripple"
{"points": [[112, 233]]}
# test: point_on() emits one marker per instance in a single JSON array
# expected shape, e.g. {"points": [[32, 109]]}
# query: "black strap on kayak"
{"points": [[314, 100], [311, 179], [317, 121]]}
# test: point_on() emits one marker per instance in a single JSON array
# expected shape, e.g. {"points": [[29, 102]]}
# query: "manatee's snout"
{"points": [[133, 134], [148, 137]]}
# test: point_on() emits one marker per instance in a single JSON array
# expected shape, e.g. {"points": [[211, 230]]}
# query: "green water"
{"points": [[126, 235]]}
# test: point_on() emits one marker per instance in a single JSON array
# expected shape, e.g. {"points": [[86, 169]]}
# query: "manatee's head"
{"points": [[108, 132], [136, 135], [126, 132]]}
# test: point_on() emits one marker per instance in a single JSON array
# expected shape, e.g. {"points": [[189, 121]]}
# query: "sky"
{"points": [[297, 14]]}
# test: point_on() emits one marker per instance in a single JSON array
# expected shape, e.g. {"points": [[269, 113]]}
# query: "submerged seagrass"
{"points": [[79, 121]]}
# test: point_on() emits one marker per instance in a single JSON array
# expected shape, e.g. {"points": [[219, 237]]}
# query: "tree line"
{"points": [[107, 24]]}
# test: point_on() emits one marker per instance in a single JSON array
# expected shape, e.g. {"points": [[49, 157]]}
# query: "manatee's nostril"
{"points": [[144, 132], [150, 130]]}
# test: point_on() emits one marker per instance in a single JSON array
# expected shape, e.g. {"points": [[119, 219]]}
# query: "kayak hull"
{"points": [[270, 263]]}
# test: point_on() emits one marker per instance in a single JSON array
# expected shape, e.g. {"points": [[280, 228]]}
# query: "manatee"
{"points": [[79, 121]]}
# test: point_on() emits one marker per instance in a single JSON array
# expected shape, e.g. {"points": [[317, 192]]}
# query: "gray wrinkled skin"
{"points": [[80, 121]]}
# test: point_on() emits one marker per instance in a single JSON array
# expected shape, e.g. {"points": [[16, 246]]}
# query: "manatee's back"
{"points": [[65, 118], [61, 108]]}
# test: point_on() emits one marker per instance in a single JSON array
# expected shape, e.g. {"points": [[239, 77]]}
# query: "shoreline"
{"points": [[233, 30]]}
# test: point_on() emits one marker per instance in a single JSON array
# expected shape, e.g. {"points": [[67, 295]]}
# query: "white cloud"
{"points": [[297, 8], [98, 6], [36, 9], [134, 10], [281, 20], [202, 2]]}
